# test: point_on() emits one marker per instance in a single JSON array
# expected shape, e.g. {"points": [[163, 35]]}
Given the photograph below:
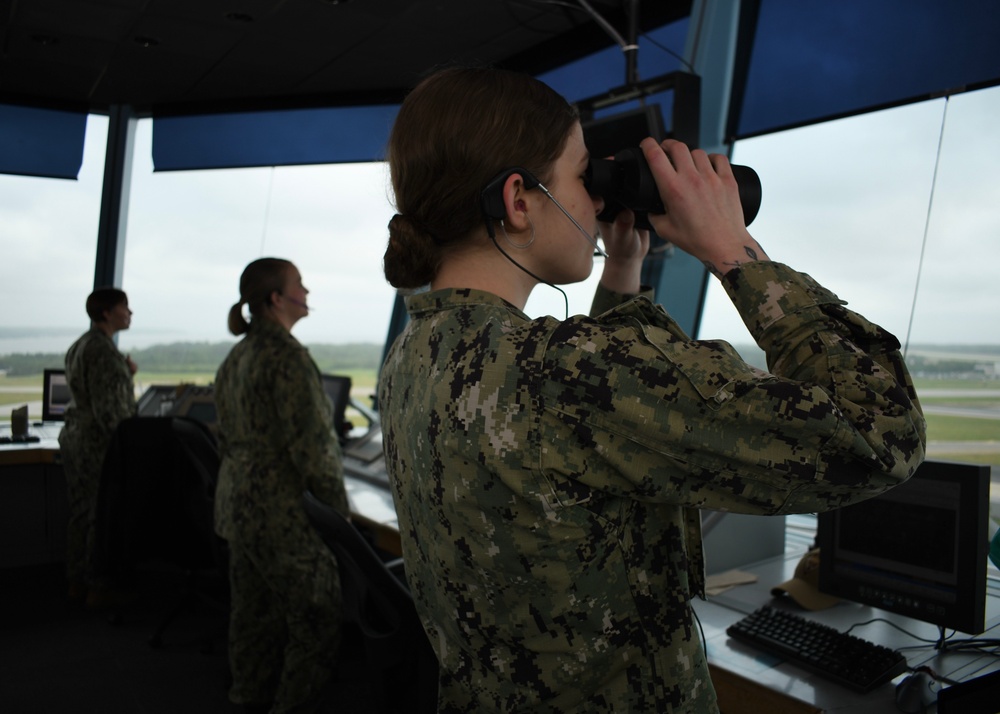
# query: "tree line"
{"points": [[199, 358], [205, 357]]}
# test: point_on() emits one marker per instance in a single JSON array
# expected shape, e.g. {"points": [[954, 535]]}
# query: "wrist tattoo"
{"points": [[751, 254]]}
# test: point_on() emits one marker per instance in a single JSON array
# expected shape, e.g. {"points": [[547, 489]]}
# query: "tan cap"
{"points": [[803, 588]]}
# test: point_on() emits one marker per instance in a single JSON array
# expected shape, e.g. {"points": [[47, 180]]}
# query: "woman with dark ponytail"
{"points": [[276, 440]]}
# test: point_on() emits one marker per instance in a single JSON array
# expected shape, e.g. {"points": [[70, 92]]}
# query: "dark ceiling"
{"points": [[193, 56]]}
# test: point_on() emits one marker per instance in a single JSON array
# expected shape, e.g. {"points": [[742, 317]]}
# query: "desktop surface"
{"points": [[41, 446], [813, 691]]}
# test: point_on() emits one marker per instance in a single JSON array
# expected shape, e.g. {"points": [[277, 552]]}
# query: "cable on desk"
{"points": [[986, 646], [936, 643], [944, 644]]}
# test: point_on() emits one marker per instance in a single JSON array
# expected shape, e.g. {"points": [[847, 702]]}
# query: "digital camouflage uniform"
{"points": [[100, 384], [276, 440], [546, 476]]}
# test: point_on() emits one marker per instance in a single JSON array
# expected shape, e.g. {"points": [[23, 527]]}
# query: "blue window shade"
{"points": [[352, 134], [41, 142], [272, 138], [813, 61]]}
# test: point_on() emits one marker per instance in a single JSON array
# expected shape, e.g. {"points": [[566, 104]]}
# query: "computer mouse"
{"points": [[916, 692]]}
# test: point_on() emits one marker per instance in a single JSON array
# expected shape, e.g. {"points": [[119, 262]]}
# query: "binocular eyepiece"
{"points": [[627, 182]]}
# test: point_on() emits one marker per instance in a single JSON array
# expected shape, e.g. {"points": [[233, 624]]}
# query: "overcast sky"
{"points": [[846, 201]]}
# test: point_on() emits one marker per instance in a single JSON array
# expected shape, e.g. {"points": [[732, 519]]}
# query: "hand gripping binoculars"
{"points": [[627, 182]]}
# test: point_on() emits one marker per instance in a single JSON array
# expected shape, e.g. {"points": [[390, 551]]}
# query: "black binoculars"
{"points": [[627, 182]]}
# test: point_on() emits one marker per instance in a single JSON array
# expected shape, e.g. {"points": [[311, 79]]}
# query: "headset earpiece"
{"points": [[491, 199]]}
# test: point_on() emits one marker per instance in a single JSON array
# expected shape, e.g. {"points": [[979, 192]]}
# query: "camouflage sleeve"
{"points": [[306, 420], [109, 385], [811, 337], [605, 299], [667, 418], [222, 390]]}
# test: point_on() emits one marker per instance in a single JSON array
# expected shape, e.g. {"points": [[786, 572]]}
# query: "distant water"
{"points": [[29, 340]]}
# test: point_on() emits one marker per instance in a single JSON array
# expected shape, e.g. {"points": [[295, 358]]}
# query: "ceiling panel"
{"points": [[194, 56]]}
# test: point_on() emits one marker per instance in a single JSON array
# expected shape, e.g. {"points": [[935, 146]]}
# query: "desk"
{"points": [[749, 680], [33, 506], [43, 451], [34, 510], [372, 508]]}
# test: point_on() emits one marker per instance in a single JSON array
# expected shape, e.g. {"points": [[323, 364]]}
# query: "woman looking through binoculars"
{"points": [[548, 473]]}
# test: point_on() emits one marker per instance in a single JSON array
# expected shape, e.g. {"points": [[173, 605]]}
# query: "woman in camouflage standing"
{"points": [[276, 440], [100, 384]]}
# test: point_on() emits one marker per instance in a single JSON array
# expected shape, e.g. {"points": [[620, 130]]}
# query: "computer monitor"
{"points": [[157, 400], [610, 134], [918, 550], [196, 402], [55, 395], [338, 390]]}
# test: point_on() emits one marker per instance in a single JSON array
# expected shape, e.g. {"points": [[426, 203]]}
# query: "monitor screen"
{"points": [[157, 400], [195, 402], [338, 390], [918, 550], [55, 395]]}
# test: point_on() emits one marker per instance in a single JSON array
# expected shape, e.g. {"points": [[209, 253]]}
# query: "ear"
{"points": [[506, 196], [516, 202]]}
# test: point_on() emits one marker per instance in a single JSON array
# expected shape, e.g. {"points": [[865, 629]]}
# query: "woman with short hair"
{"points": [[102, 394]]}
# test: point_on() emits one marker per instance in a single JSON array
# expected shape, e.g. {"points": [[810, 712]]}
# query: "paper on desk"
{"points": [[721, 582]]}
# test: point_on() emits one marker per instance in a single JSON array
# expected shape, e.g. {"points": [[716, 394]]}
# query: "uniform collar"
{"points": [[425, 303]]}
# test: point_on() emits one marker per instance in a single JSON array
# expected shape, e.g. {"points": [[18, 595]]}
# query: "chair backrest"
{"points": [[156, 495], [374, 598], [381, 605], [197, 444]]}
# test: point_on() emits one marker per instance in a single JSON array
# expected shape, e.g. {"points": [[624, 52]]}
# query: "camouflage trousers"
{"points": [[82, 468], [285, 621]]}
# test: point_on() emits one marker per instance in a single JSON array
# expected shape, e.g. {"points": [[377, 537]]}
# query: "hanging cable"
{"points": [[927, 222], [615, 35], [267, 211]]}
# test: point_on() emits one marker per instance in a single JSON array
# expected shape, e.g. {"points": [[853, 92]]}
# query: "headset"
{"points": [[491, 202], [491, 198]]}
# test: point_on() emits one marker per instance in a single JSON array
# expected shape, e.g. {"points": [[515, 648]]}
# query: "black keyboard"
{"points": [[19, 439], [848, 660]]}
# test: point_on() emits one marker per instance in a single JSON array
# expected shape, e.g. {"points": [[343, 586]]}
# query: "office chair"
{"points": [[196, 442], [156, 504], [378, 602]]}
